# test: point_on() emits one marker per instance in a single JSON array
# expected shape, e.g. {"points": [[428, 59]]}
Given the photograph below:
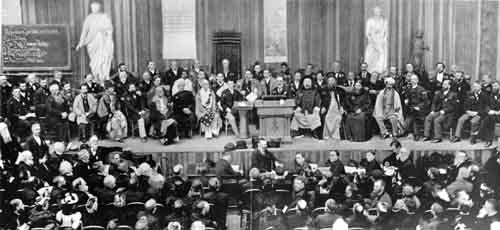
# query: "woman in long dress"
{"points": [[97, 35], [206, 110]]}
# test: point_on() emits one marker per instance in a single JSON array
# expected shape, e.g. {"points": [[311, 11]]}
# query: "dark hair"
{"points": [[395, 143], [442, 63], [121, 64]]}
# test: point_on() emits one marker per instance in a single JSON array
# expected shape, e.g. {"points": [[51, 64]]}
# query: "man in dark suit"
{"points": [[327, 219], [443, 112], [26, 96], [281, 89], [487, 130], [223, 165], [461, 87], [173, 73], [268, 83], [121, 83], [337, 73], [40, 98], [440, 74], [227, 100], [226, 71], [146, 83], [416, 106], [364, 76], [296, 84], [184, 105], [36, 143], [135, 110], [152, 70], [350, 80], [122, 67], [248, 84], [5, 92], [262, 159], [18, 114], [475, 106], [93, 87]]}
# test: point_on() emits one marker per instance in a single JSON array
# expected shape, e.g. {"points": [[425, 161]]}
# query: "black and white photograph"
{"points": [[250, 115]]}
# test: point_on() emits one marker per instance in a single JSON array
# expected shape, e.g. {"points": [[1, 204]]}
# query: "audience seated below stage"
{"points": [[92, 187], [184, 101]]}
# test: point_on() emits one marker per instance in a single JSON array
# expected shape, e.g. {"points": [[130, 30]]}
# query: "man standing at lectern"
{"points": [[308, 102]]}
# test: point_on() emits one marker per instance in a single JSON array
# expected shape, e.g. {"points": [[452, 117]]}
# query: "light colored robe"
{"points": [[97, 35]]}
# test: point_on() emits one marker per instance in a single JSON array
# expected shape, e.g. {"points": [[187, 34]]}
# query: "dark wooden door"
{"points": [[227, 44]]}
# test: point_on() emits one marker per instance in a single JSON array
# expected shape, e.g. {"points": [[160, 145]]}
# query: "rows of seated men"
{"points": [[434, 192], [330, 105], [85, 188]]}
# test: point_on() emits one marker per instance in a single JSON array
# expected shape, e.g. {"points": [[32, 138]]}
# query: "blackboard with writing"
{"points": [[35, 47]]}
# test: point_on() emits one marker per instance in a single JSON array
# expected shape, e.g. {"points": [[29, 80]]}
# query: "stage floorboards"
{"points": [[200, 144]]}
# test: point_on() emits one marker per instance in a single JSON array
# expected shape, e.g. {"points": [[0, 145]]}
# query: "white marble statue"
{"points": [[376, 49], [97, 35]]}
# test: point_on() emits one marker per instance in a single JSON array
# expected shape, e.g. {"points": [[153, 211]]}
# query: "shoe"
{"points": [[455, 139], [385, 136], [473, 140], [298, 136], [437, 140], [489, 143], [416, 138], [426, 139]]}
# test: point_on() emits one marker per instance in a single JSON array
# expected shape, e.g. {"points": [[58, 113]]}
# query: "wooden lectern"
{"points": [[274, 118]]}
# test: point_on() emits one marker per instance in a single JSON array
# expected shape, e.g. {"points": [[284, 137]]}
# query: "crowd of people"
{"points": [[94, 188], [52, 184], [329, 105]]}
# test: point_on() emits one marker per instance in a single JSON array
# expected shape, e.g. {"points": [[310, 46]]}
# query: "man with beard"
{"points": [[280, 89], [475, 106], [58, 111], [40, 98], [248, 84], [183, 110], [306, 116], [26, 96], [443, 112], [18, 114], [262, 159], [332, 108], [416, 106], [461, 87], [379, 201], [85, 109], [388, 107], [146, 83], [487, 128], [358, 106], [135, 110]]}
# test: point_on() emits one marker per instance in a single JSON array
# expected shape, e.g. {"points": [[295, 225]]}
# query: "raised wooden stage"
{"points": [[189, 152]]}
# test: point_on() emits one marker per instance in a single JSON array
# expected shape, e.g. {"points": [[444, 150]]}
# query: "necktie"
{"points": [[86, 106]]}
